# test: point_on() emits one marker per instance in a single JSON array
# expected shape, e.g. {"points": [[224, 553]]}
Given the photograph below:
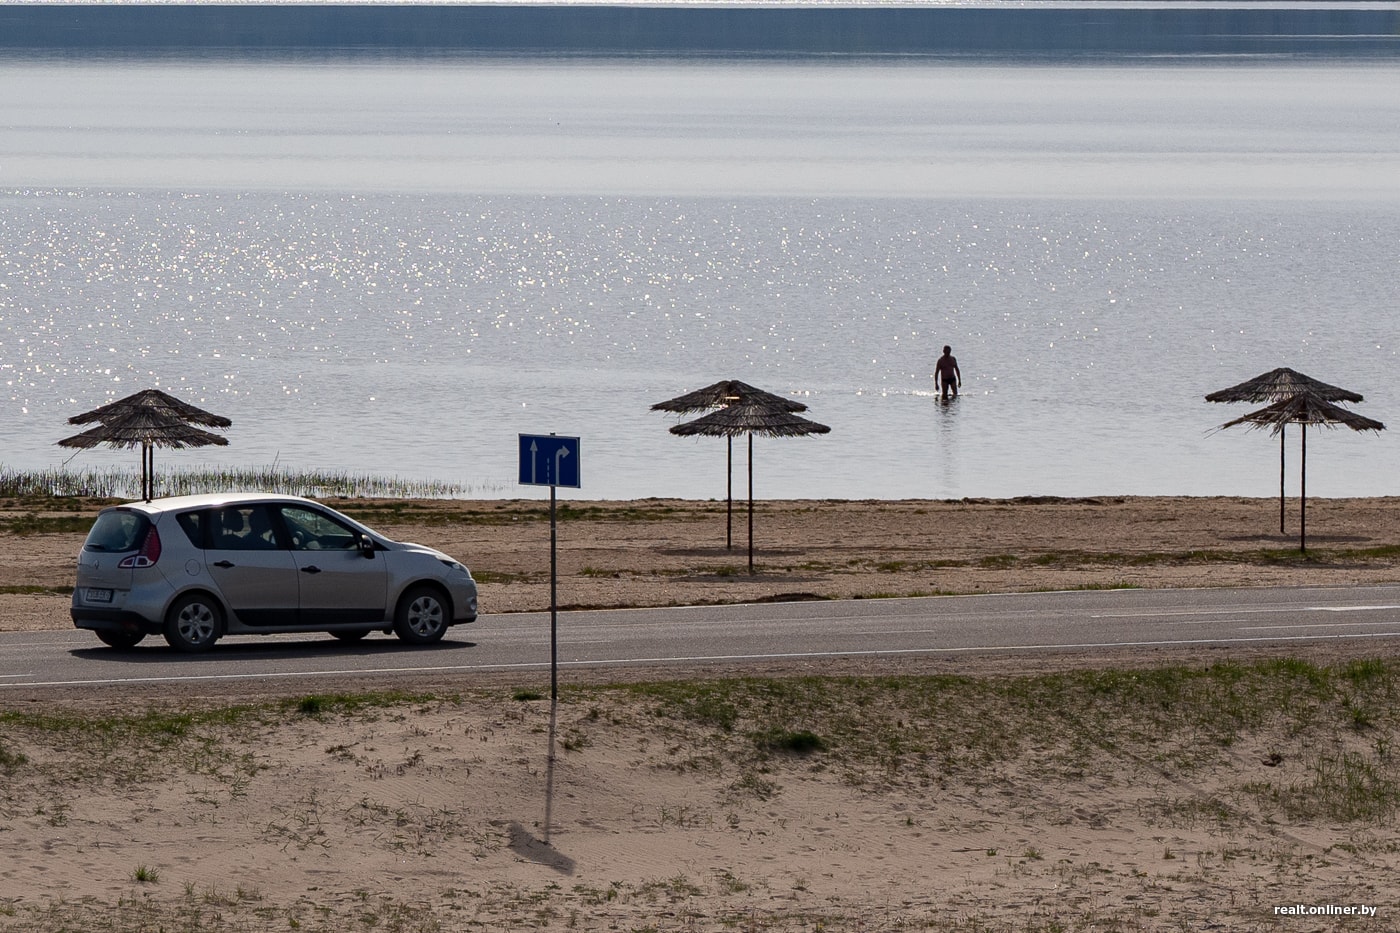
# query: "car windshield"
{"points": [[116, 531]]}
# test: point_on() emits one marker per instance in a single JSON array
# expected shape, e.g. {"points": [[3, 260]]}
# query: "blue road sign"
{"points": [[549, 460]]}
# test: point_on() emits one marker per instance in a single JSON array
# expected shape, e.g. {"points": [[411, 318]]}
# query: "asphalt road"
{"points": [[733, 636]]}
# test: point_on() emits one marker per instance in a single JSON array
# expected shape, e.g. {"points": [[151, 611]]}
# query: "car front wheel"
{"points": [[422, 616], [193, 623]]}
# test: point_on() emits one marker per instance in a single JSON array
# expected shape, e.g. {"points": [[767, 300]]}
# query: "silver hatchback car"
{"points": [[195, 568]]}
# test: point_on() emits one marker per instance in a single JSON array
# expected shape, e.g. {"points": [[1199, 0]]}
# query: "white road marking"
{"points": [[1208, 610], [1147, 610], [1207, 622], [1353, 608], [1262, 628]]}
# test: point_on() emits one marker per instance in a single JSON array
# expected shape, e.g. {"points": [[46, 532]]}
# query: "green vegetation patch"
{"points": [[506, 512], [798, 742], [355, 704], [1066, 560], [32, 524], [121, 749], [125, 483], [1170, 720], [34, 589], [395, 511], [502, 576]]}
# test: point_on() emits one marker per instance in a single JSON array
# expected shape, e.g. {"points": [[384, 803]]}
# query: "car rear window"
{"points": [[117, 531]]}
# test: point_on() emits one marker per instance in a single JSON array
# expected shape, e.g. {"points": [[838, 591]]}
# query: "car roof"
{"points": [[189, 503], [183, 503]]}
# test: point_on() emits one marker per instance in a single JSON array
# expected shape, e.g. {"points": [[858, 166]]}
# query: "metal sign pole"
{"points": [[553, 461], [549, 460], [553, 599]]}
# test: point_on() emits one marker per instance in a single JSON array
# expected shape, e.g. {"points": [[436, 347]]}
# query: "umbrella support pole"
{"points": [[750, 502], [729, 498], [1280, 478], [148, 466], [1303, 497]]}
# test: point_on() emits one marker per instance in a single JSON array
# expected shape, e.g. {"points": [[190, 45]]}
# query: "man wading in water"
{"points": [[947, 373]]}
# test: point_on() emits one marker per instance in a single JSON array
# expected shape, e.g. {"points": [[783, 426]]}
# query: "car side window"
{"points": [[192, 523], [315, 531], [242, 528]]}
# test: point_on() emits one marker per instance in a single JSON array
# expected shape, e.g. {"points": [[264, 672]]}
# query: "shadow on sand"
{"points": [[524, 844]]}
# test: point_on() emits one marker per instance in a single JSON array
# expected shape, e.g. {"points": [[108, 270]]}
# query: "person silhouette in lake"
{"points": [[947, 373]]}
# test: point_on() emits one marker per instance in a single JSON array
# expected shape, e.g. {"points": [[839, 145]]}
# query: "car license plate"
{"points": [[98, 596]]}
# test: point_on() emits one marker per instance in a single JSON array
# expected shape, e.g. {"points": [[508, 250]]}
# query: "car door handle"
{"points": [[312, 569], [223, 563]]}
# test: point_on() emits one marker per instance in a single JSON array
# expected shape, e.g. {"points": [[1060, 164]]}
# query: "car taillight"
{"points": [[147, 556]]}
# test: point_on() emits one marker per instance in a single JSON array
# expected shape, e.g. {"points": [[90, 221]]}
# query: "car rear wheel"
{"points": [[119, 639], [422, 616], [193, 623]]}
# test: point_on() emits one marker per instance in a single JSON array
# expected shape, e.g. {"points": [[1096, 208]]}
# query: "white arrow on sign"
{"points": [[559, 454], [533, 449]]}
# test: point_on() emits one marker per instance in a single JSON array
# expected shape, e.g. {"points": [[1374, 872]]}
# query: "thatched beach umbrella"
{"points": [[751, 417], [1279, 384], [719, 395], [148, 419], [1305, 410], [1275, 386], [725, 393], [155, 404]]}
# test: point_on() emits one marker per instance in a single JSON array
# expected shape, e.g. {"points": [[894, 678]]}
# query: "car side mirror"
{"points": [[367, 546]]}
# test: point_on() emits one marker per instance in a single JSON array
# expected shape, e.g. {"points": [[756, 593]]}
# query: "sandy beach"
{"points": [[1184, 791]]}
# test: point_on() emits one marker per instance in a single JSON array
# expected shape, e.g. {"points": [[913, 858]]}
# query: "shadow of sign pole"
{"points": [[524, 844], [553, 461], [549, 770]]}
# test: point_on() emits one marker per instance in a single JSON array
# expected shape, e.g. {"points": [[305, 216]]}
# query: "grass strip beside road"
{"points": [[879, 730]]}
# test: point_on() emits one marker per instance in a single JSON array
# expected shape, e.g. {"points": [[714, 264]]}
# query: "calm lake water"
{"points": [[396, 266]]}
